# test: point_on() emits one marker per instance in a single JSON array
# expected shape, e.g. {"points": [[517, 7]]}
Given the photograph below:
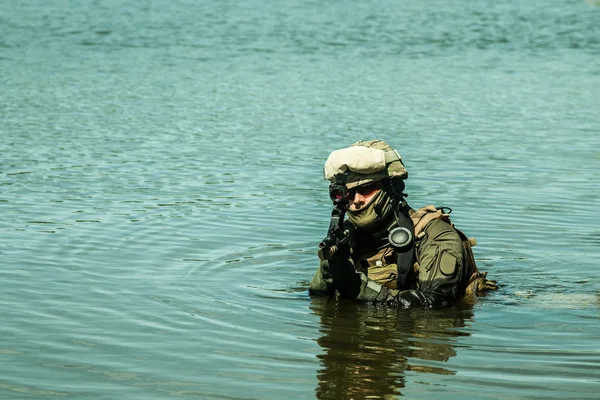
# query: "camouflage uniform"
{"points": [[443, 267]]}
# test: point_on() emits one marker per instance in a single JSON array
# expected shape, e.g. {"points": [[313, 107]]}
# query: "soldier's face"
{"points": [[362, 195]]}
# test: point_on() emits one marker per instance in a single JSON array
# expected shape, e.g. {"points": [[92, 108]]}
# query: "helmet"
{"points": [[365, 161]]}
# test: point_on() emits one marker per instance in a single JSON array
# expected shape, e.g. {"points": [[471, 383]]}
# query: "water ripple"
{"points": [[162, 196]]}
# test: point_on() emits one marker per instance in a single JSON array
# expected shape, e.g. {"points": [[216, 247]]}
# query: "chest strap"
{"points": [[404, 254]]}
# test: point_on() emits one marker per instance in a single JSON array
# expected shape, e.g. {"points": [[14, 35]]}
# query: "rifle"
{"points": [[338, 232]]}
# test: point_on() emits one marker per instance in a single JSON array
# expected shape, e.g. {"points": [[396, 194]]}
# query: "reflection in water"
{"points": [[367, 349]]}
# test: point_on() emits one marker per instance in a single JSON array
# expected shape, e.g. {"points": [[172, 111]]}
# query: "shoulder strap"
{"points": [[405, 255]]}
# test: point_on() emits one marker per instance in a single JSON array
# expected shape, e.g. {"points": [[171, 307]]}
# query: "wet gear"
{"points": [[443, 266]]}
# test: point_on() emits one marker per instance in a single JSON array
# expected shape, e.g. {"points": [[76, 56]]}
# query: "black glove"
{"points": [[346, 280], [325, 272]]}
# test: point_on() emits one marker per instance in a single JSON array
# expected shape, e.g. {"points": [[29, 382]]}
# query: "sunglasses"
{"points": [[365, 190]]}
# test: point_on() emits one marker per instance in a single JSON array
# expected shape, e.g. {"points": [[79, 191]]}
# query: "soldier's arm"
{"points": [[440, 255]]}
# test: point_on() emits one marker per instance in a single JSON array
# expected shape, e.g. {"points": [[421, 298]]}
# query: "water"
{"points": [[162, 196]]}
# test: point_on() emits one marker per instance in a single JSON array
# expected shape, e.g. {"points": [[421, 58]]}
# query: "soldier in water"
{"points": [[385, 251]]}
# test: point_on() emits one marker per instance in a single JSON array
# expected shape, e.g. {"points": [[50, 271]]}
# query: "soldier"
{"points": [[386, 251]]}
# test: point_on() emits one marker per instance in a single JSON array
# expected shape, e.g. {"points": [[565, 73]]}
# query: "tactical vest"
{"points": [[400, 269]]}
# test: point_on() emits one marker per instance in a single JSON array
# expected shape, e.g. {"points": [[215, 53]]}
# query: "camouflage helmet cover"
{"points": [[364, 162]]}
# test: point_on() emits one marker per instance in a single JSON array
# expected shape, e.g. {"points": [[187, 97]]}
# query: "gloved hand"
{"points": [[332, 255], [346, 280], [340, 262], [323, 279], [339, 273], [325, 272], [478, 283]]}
